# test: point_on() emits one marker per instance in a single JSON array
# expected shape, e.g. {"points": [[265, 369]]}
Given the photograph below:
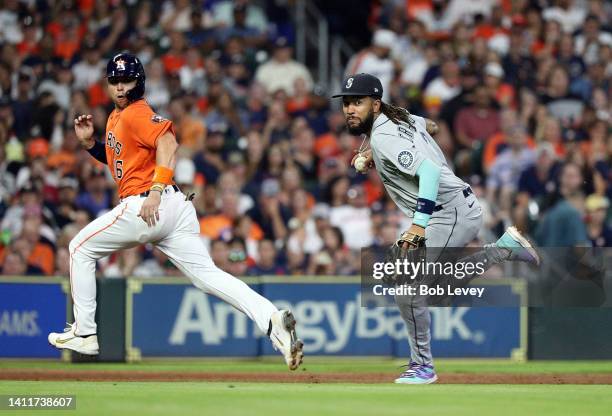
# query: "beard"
{"points": [[364, 127]]}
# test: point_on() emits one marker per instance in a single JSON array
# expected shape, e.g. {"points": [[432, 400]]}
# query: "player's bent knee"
{"points": [[78, 248], [74, 243]]}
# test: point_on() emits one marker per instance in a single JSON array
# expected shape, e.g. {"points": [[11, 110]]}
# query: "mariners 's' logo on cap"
{"points": [[349, 83], [405, 159], [120, 64]]}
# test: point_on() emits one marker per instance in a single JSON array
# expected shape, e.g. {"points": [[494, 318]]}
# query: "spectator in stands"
{"points": [[376, 60], [278, 124], [269, 213], [174, 58], [560, 102], [62, 262], [15, 265], [442, 88], [223, 14], [563, 224], [96, 199], [23, 105], [176, 16], [65, 208], [192, 73], [499, 91], [477, 122], [156, 92], [268, 263], [599, 231], [281, 71], [568, 14], [537, 186], [190, 130], [219, 252], [60, 85], [240, 27], [237, 257], [506, 171], [89, 70], [353, 219]]}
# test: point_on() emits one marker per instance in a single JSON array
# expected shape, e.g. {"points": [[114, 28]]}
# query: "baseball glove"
{"points": [[409, 247]]}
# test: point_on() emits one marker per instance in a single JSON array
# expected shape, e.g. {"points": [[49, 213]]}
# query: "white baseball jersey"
{"points": [[398, 151]]}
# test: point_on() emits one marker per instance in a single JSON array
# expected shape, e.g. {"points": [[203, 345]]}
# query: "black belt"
{"points": [[466, 192], [146, 193]]}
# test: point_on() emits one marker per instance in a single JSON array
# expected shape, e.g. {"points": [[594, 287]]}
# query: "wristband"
{"points": [[157, 187], [163, 175], [426, 206], [424, 209]]}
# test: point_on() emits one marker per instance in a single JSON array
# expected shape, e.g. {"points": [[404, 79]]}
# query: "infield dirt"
{"points": [[297, 377]]}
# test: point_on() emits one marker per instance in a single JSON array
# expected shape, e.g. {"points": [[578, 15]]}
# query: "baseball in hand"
{"points": [[361, 164]]}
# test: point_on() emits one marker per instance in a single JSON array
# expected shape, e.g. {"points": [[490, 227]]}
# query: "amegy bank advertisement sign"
{"points": [[179, 320]]}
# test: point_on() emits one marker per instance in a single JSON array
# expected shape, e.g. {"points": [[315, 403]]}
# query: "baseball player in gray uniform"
{"points": [[444, 210]]}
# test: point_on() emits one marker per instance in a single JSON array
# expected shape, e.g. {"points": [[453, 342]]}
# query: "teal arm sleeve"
{"points": [[429, 181]]}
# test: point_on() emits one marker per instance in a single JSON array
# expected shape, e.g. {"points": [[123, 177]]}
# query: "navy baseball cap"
{"points": [[361, 85]]}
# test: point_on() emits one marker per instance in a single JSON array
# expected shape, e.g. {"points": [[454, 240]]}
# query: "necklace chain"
{"points": [[363, 146]]}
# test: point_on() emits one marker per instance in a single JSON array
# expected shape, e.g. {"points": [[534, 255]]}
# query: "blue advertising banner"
{"points": [[180, 320], [176, 319], [30, 308]]}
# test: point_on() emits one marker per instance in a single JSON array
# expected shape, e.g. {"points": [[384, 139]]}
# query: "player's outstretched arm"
{"points": [[165, 156], [429, 182], [83, 127]]}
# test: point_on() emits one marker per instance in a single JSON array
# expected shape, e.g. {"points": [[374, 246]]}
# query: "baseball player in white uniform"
{"points": [[444, 210], [140, 151]]}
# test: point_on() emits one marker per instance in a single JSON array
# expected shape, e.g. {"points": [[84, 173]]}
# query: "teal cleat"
{"points": [[417, 374], [520, 248]]}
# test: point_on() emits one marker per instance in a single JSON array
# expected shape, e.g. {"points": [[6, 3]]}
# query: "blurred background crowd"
{"points": [[520, 90]]}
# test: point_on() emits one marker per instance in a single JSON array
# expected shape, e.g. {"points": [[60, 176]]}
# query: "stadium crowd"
{"points": [[520, 90]]}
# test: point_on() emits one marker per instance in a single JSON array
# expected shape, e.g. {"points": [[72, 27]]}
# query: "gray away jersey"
{"points": [[398, 151]]}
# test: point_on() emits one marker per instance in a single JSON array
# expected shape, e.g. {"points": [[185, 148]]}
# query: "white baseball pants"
{"points": [[177, 235]]}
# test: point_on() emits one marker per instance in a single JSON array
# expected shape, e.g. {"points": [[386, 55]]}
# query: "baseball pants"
{"points": [[450, 227], [176, 234]]}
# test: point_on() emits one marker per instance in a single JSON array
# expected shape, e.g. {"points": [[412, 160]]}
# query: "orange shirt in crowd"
{"points": [[172, 63], [297, 104], [42, 256], [98, 96], [326, 145], [27, 48], [372, 191], [63, 160], [213, 226], [191, 132]]}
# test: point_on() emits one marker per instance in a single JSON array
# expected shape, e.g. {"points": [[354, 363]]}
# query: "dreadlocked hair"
{"points": [[395, 114]]}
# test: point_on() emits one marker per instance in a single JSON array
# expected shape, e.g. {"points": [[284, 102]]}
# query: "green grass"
{"points": [[295, 399], [323, 365], [311, 399]]}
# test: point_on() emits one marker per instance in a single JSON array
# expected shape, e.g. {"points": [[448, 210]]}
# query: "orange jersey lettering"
{"points": [[131, 139]]}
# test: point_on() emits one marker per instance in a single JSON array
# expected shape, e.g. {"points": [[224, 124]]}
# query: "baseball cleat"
{"points": [[284, 338], [417, 374], [520, 248], [69, 340]]}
